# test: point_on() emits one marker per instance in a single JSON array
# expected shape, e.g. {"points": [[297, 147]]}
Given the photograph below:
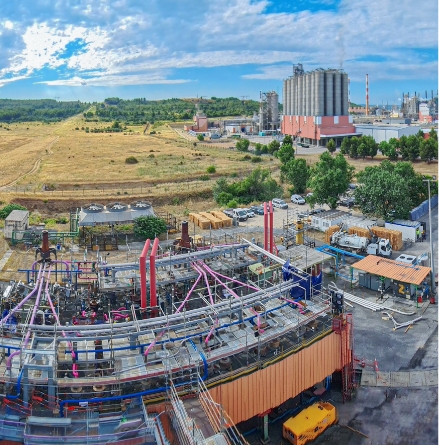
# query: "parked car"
{"points": [[240, 214], [297, 199], [280, 203], [303, 215], [257, 210], [308, 195], [229, 213], [346, 202], [249, 212], [316, 211], [352, 186]]}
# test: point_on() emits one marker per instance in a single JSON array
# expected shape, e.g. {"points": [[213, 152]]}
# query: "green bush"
{"points": [[256, 159], [204, 178], [246, 158], [6, 210], [149, 227], [211, 169], [233, 203], [131, 160]]}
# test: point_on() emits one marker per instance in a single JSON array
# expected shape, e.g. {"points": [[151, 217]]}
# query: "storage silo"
{"points": [[284, 96], [344, 94], [337, 94], [308, 93], [300, 91], [312, 111], [320, 93], [329, 93], [290, 96], [273, 110], [294, 96]]}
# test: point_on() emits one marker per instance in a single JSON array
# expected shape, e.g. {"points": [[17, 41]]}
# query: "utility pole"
{"points": [[431, 238]]}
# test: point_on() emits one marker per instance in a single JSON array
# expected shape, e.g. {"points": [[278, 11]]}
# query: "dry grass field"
{"points": [[80, 167]]}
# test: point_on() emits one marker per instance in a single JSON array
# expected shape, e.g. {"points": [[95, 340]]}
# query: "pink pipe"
{"points": [[265, 227], [210, 332], [297, 304], [75, 370], [152, 277], [31, 321], [234, 280], [188, 294], [142, 270], [199, 270], [271, 228], [11, 312], [153, 343], [258, 321], [219, 281], [59, 323]]}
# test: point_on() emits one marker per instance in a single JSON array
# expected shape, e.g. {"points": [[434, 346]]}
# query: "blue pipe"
{"points": [[18, 387], [137, 394]]}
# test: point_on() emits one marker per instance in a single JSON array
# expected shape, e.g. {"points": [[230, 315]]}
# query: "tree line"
{"points": [[406, 148], [46, 110]]}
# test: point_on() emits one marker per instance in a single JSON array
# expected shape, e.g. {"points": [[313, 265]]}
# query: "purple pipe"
{"points": [[66, 263], [11, 312], [34, 312], [297, 304], [188, 294], [199, 270], [234, 280]]}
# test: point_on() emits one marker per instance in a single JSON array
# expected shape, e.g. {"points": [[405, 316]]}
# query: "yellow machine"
{"points": [[309, 423]]}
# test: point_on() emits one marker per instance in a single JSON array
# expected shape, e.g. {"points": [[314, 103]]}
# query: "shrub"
{"points": [[6, 210], [204, 177], [151, 156], [149, 226], [233, 203], [211, 169], [256, 159], [246, 158], [131, 160]]}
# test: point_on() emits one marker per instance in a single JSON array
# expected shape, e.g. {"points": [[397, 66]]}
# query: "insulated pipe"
{"points": [[199, 270], [142, 269], [11, 312], [271, 227], [265, 227], [152, 277], [219, 281], [31, 321]]}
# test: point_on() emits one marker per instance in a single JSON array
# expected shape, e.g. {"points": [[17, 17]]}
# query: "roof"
{"points": [[405, 222], [393, 269], [309, 418], [340, 134], [17, 215], [116, 213]]}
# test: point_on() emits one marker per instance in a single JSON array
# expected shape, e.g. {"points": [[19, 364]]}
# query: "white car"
{"points": [[280, 203], [297, 199], [250, 214]]}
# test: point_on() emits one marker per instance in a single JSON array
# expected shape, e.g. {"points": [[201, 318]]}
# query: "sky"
{"points": [[157, 49]]}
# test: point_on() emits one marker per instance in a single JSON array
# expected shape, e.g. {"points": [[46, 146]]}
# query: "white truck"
{"points": [[373, 246]]}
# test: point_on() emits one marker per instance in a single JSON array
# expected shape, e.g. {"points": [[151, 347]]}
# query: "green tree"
{"points": [[420, 135], [149, 227], [285, 153], [273, 146], [242, 145], [403, 148], [412, 148], [363, 150], [287, 139], [345, 147], [330, 177], [296, 172], [384, 148], [428, 149], [432, 134], [353, 147], [6, 210], [200, 137], [372, 146], [331, 147]]}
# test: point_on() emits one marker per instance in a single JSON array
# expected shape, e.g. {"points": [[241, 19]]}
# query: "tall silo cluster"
{"points": [[316, 93]]}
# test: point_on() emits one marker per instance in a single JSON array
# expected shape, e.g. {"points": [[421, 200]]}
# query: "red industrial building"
{"points": [[316, 106]]}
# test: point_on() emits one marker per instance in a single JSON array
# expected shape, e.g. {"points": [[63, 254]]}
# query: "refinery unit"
{"points": [[109, 349]]}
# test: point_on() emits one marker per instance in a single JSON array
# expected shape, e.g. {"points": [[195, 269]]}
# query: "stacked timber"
{"points": [[329, 232], [360, 231], [214, 221], [394, 236], [201, 221], [227, 222]]}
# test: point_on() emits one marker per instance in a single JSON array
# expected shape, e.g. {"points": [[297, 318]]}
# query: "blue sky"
{"points": [[92, 49]]}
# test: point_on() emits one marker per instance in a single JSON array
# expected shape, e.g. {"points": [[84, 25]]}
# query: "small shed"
{"points": [[406, 227], [18, 220]]}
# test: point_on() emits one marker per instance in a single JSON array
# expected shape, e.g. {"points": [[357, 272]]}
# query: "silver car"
{"points": [[297, 199]]}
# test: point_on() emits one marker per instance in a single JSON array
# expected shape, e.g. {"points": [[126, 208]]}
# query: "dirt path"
{"points": [[35, 167]]}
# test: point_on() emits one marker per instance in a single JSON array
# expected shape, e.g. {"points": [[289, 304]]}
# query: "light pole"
{"points": [[431, 238]]}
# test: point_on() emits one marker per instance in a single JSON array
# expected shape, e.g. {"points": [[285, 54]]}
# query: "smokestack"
{"points": [[185, 239], [431, 94], [367, 94], [45, 244]]}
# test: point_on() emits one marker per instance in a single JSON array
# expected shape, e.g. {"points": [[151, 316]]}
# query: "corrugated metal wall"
{"points": [[258, 392]]}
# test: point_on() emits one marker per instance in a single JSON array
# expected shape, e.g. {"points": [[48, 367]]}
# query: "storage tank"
{"points": [[273, 109], [337, 94], [300, 90], [293, 103], [320, 93], [284, 95], [329, 93], [344, 95], [313, 108]]}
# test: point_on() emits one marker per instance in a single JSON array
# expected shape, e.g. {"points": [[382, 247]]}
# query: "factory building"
{"points": [[386, 132], [316, 106]]}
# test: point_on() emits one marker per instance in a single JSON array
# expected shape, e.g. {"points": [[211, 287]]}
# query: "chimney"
{"points": [[185, 239], [45, 245], [367, 94]]}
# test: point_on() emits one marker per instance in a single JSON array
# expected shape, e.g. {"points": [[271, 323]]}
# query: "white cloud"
{"points": [[125, 38]]}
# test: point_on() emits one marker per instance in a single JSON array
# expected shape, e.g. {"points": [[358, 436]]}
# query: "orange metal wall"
{"points": [[258, 392]]}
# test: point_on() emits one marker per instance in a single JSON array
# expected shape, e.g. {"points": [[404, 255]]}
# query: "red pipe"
{"points": [[142, 268], [265, 227], [271, 228], [152, 277]]}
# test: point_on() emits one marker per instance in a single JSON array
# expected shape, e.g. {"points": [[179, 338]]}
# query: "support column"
{"points": [[265, 227], [142, 270], [271, 228], [266, 438], [152, 277]]}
